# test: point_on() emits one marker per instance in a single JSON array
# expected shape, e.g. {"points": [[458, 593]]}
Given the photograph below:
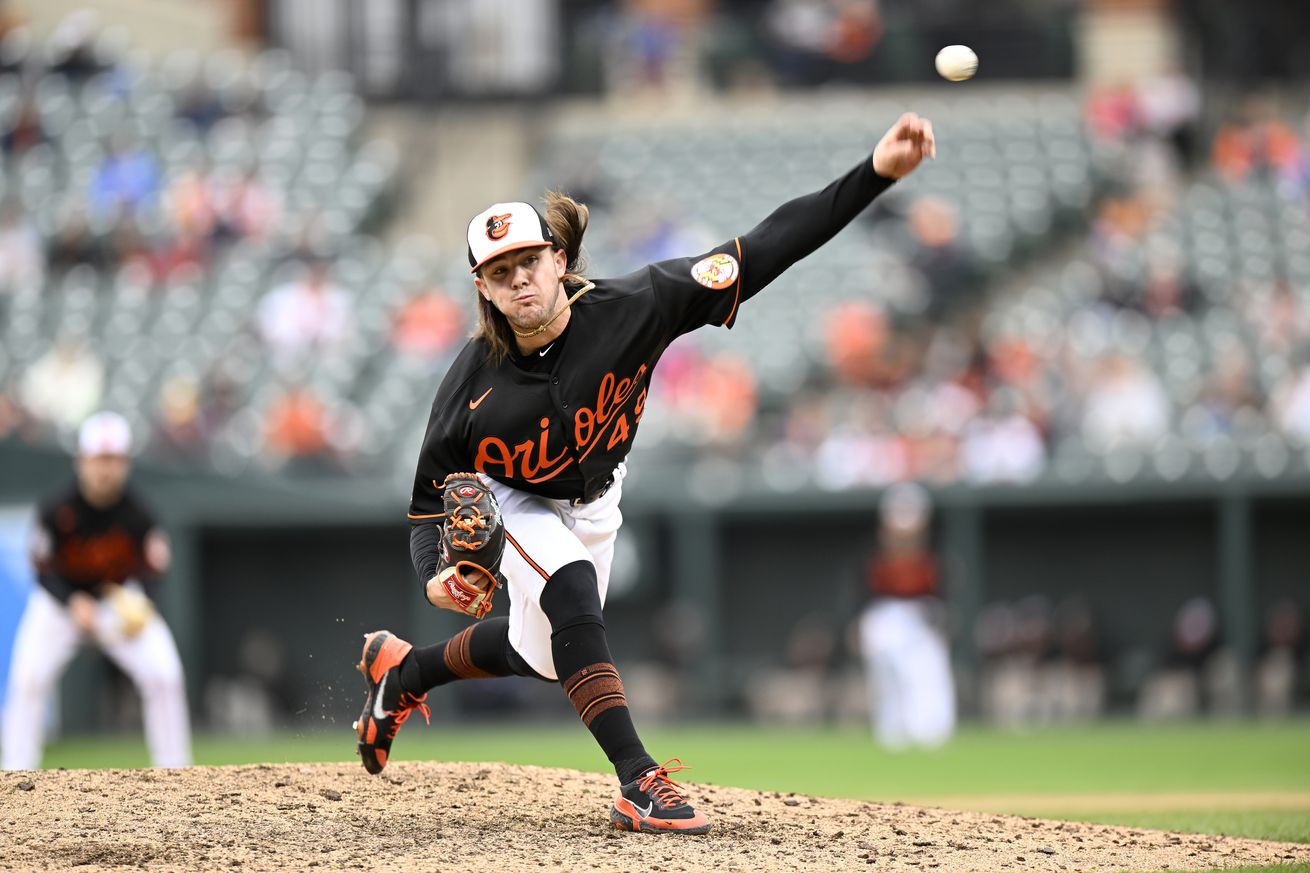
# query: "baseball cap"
{"points": [[504, 227], [105, 433]]}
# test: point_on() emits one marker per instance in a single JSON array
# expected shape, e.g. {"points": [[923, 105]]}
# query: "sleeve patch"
{"points": [[717, 271]]}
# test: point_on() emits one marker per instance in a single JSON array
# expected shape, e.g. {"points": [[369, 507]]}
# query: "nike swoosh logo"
{"points": [[378, 712], [542, 353], [645, 813], [474, 404]]}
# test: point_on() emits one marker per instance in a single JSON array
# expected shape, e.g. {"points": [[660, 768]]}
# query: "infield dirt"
{"points": [[474, 817]]}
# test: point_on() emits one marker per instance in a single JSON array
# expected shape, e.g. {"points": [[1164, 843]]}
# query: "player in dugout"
{"points": [[521, 471], [96, 549]]}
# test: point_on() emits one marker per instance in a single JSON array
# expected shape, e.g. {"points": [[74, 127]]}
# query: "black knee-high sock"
{"points": [[480, 651], [581, 652]]}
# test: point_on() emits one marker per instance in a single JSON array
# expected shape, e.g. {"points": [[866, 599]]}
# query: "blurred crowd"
{"points": [[1167, 333], [662, 49], [187, 240], [191, 240]]}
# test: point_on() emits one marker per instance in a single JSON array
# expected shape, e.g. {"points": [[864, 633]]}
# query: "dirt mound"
{"points": [[496, 817]]}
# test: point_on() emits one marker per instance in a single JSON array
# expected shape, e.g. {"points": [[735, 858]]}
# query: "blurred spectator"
{"points": [[259, 697], [243, 205], [24, 131], [1291, 404], [860, 446], [1076, 678], [296, 426], [76, 243], [1002, 445], [15, 420], [199, 105], [937, 256], [1229, 390], [220, 399], [726, 404], [1169, 107], [817, 41], [711, 400], [1259, 143], [857, 343], [189, 203], [906, 658], [651, 42], [1195, 676], [1280, 669], [64, 385], [1040, 665], [798, 691], [22, 256], [427, 324], [306, 313], [1166, 289], [1125, 404], [161, 253], [127, 179], [1112, 112], [179, 433]]}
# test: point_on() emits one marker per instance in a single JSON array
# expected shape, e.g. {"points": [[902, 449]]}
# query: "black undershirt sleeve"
{"points": [[798, 227], [425, 550], [58, 587]]}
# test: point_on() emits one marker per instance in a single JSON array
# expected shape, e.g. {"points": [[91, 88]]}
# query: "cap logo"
{"points": [[498, 226], [716, 271]]}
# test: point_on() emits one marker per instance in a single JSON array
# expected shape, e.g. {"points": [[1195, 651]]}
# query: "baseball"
{"points": [[957, 63]]}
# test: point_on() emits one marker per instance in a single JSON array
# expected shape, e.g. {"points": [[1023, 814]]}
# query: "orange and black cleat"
{"points": [[387, 705], [653, 803]]}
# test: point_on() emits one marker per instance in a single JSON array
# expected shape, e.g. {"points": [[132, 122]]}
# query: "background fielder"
{"points": [[96, 547], [906, 656]]}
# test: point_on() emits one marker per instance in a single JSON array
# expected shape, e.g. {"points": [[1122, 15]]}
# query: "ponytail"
{"points": [[568, 219]]}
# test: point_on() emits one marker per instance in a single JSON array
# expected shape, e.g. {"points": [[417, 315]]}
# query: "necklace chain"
{"points": [[547, 323]]}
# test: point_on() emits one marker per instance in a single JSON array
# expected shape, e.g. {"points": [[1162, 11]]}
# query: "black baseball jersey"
{"points": [[559, 431], [79, 547]]}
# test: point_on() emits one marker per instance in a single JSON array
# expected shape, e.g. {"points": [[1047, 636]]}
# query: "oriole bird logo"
{"points": [[498, 226]]}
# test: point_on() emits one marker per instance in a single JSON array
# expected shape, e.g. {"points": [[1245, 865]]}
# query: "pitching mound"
{"points": [[427, 816]]}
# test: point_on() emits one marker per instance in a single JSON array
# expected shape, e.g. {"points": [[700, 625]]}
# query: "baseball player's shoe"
{"points": [[653, 803], [387, 705]]}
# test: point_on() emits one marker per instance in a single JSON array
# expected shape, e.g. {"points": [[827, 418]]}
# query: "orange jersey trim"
{"points": [[736, 295], [515, 543]]}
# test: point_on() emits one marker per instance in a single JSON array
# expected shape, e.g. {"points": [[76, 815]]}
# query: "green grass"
{"points": [[1115, 763]]}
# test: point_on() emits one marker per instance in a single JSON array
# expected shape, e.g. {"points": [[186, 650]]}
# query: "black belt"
{"points": [[595, 495]]}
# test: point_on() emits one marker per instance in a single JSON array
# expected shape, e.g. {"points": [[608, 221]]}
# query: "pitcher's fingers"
{"points": [[929, 138], [906, 125]]}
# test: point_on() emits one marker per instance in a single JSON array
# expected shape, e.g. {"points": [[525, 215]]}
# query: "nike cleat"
{"points": [[387, 705], [653, 803]]}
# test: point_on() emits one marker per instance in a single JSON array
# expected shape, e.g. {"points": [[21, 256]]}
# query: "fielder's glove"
{"points": [[130, 608], [472, 543]]}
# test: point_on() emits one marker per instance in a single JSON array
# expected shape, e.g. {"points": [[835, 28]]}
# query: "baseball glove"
{"points": [[131, 609], [472, 543]]}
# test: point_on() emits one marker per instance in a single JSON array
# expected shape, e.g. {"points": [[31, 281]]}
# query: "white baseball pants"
{"points": [[911, 690], [541, 536]]}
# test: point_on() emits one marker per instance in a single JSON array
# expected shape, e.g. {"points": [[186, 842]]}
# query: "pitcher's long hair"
{"points": [[567, 219]]}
